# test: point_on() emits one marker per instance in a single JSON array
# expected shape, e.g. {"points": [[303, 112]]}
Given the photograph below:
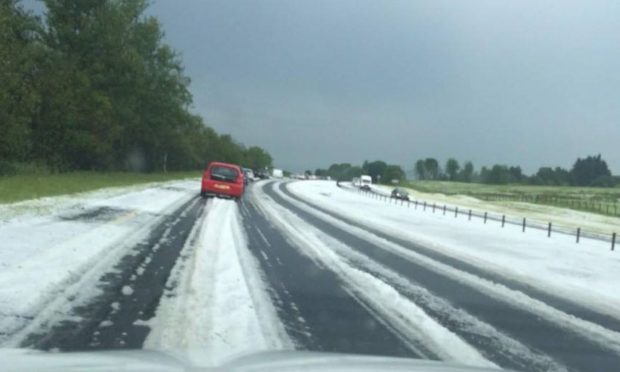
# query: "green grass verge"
{"points": [[29, 186], [600, 200]]}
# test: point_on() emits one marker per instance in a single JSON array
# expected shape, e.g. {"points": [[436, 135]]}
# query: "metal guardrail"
{"points": [[523, 222]]}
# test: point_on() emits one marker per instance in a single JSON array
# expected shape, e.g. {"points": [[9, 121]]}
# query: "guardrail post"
{"points": [[425, 205], [523, 224], [485, 217], [444, 209], [456, 212], [503, 220], [578, 234], [433, 207], [549, 231], [613, 241], [469, 215], [416, 204]]}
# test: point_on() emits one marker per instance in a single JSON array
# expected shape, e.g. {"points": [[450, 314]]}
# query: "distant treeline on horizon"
{"points": [[591, 171]]}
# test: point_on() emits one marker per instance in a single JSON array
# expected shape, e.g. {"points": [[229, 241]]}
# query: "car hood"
{"points": [[157, 361]]}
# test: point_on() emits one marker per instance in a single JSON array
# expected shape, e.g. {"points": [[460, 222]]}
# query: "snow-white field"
{"points": [[587, 272], [62, 203], [50, 254]]}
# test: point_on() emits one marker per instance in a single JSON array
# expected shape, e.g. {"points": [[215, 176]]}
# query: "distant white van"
{"points": [[365, 182], [277, 173]]}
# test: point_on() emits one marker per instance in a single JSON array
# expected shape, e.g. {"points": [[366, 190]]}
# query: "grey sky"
{"points": [[316, 82]]}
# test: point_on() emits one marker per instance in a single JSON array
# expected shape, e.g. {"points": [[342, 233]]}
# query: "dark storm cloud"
{"points": [[316, 82]]}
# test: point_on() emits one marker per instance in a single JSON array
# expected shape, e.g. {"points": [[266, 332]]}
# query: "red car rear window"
{"points": [[227, 174]]}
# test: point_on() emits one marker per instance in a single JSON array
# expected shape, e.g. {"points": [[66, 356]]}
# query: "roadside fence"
{"points": [[488, 217], [609, 208]]}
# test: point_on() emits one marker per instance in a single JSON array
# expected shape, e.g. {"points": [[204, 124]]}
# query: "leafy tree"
{"points": [[374, 169], [500, 174], [393, 172], [20, 58], [95, 87], [586, 171], [604, 181], [516, 174], [320, 172], [466, 174], [420, 169], [257, 158], [339, 171], [431, 167], [551, 176], [452, 169], [353, 172], [344, 171]]}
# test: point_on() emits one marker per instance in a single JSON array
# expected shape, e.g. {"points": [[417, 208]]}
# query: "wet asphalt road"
{"points": [[129, 293], [318, 313], [560, 343], [317, 310]]}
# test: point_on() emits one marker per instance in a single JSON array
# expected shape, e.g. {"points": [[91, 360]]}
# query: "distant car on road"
{"points": [[400, 194], [261, 174], [222, 180], [248, 175]]}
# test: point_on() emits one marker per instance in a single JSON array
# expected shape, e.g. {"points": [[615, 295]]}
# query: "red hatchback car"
{"points": [[222, 179]]}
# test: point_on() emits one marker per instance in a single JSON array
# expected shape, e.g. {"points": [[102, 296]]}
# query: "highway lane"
{"points": [[318, 313], [560, 343], [318, 310], [128, 294], [569, 306]]}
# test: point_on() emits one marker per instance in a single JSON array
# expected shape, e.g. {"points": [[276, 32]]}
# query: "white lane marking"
{"points": [[606, 338], [220, 305], [415, 325], [262, 236]]}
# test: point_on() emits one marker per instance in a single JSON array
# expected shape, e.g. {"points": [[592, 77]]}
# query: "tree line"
{"points": [[91, 85], [589, 171], [379, 170]]}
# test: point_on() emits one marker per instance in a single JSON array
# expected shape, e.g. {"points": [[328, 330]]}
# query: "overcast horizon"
{"points": [[529, 83]]}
